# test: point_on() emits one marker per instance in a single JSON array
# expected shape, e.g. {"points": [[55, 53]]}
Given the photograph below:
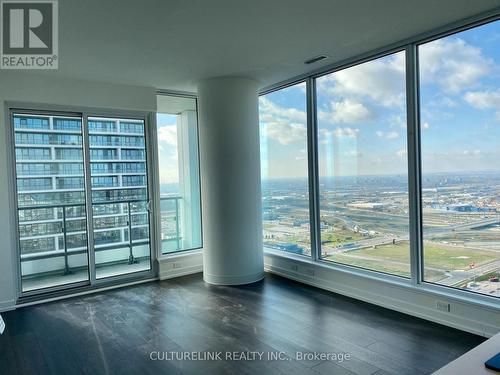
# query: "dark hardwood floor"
{"points": [[114, 332]]}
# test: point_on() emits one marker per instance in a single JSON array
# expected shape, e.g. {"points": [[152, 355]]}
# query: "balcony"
{"points": [[54, 248]]}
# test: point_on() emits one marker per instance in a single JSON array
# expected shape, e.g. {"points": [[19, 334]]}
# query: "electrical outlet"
{"points": [[176, 265], [443, 306]]}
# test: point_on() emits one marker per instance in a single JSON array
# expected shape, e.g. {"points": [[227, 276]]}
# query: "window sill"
{"points": [[180, 254], [456, 295]]}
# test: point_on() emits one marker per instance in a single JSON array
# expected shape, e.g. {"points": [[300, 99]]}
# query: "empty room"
{"points": [[250, 187]]}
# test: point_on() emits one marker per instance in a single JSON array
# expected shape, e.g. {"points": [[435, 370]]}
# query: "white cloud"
{"points": [[346, 111], [168, 134], [483, 99], [447, 102], [471, 152], [270, 110], [353, 153], [346, 132], [325, 135], [301, 155], [397, 121], [401, 153], [285, 133], [168, 156], [452, 64], [387, 135], [425, 126], [285, 125], [392, 135], [382, 80]]}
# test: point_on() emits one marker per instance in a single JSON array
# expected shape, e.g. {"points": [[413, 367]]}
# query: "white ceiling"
{"points": [[172, 44]]}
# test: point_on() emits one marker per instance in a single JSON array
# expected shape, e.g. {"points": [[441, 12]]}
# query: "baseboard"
{"points": [[233, 280], [172, 273], [7, 305], [180, 264], [418, 304]]}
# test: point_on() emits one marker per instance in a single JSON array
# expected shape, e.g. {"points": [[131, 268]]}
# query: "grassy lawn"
{"points": [[435, 255], [454, 257], [377, 265], [340, 236], [395, 259]]}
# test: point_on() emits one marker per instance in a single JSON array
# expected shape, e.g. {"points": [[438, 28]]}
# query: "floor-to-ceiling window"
{"points": [[76, 172], [403, 171], [284, 165], [460, 132], [178, 174], [362, 158]]}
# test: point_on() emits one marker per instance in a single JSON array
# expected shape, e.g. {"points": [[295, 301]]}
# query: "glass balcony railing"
{"points": [[170, 224], [59, 230], [53, 239]]}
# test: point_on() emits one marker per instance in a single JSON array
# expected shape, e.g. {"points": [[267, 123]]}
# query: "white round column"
{"points": [[230, 181]]}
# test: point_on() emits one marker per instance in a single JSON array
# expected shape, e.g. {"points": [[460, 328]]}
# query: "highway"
{"points": [[453, 277]]}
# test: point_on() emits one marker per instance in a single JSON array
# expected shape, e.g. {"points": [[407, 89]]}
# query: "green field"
{"points": [[486, 276], [395, 259], [340, 236], [376, 265]]}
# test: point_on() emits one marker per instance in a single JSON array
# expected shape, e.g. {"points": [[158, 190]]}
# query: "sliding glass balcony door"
{"points": [[52, 217], [118, 171], [82, 199]]}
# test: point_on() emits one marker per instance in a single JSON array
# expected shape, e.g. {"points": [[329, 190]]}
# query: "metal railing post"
{"points": [[131, 259], [67, 271], [177, 236]]}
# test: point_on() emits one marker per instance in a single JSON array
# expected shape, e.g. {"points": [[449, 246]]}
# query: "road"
{"points": [[453, 278]]}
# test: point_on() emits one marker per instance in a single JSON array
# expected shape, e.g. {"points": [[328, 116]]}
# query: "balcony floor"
{"points": [[102, 271]]}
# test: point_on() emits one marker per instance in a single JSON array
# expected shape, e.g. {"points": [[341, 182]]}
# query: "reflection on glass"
{"points": [[180, 210], [460, 133], [283, 152], [363, 166], [51, 200], [119, 196]]}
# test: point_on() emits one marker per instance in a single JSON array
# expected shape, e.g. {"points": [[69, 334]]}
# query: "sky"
{"points": [[167, 148], [362, 113]]}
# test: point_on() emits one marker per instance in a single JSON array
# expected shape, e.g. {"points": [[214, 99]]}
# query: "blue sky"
{"points": [[362, 116], [167, 148]]}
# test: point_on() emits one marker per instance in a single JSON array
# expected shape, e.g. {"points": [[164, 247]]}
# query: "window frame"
{"points": [[309, 139], [156, 175], [410, 47]]}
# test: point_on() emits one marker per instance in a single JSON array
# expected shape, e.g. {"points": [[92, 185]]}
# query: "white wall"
{"points": [[48, 88], [189, 180]]}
